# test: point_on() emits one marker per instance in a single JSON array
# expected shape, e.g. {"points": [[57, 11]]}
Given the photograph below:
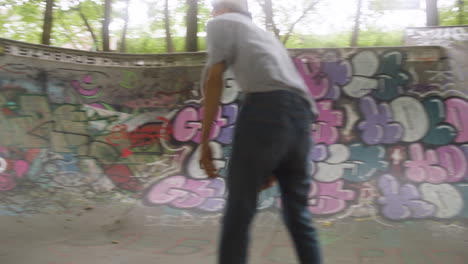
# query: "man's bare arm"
{"points": [[213, 89]]}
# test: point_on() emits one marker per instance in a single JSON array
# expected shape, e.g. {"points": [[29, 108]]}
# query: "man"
{"points": [[272, 135]]}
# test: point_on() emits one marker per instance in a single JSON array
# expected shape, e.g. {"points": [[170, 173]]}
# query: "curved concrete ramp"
{"points": [[98, 159]]}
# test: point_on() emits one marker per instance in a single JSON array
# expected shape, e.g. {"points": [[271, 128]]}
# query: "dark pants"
{"points": [[272, 137]]}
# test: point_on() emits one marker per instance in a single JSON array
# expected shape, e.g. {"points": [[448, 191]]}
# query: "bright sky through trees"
{"points": [[330, 16]]}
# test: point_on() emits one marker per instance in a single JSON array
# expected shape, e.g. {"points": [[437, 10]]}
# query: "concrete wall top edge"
{"points": [[111, 59]]}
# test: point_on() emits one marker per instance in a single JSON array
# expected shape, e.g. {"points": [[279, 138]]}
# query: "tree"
{"points": [[432, 15], [80, 9], [285, 28], [192, 26], [22, 21], [105, 25], [48, 20], [455, 14], [461, 11], [167, 27], [270, 25], [123, 41], [356, 29]]}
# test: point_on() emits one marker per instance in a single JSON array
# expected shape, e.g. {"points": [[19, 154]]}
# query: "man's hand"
{"points": [[206, 161]]}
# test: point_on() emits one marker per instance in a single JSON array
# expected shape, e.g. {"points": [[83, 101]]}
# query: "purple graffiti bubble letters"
{"points": [[378, 126], [329, 198], [319, 153], [217, 202], [227, 132], [402, 202], [339, 73]]}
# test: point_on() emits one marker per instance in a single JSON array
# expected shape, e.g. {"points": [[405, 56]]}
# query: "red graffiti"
{"points": [[8, 112], [144, 135], [122, 176]]}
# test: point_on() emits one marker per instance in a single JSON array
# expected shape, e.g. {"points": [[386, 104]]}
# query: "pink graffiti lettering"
{"points": [[423, 168], [457, 115], [7, 179], [182, 192], [454, 161], [87, 79], [187, 124], [7, 183], [21, 167], [325, 130], [329, 198], [309, 66]]}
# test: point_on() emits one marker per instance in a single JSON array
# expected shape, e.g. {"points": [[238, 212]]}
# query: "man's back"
{"points": [[258, 59]]}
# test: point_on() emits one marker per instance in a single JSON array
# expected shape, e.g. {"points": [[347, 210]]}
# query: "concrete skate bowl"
{"points": [[99, 158]]}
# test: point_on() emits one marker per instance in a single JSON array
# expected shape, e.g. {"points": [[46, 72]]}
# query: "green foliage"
{"points": [[147, 44], [368, 38], [22, 20], [204, 14], [70, 28], [376, 37], [454, 15]]}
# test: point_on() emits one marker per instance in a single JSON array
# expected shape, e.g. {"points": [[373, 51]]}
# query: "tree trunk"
{"points": [[48, 19], [167, 25], [269, 17], [123, 44], [432, 14], [355, 36], [192, 26], [461, 11], [105, 25]]}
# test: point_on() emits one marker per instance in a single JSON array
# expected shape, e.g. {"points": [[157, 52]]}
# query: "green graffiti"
{"points": [[128, 79]]}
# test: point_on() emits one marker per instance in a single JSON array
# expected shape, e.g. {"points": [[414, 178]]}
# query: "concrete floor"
{"points": [[128, 234]]}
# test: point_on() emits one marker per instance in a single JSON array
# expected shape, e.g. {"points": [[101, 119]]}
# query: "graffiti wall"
{"points": [[391, 137], [453, 38]]}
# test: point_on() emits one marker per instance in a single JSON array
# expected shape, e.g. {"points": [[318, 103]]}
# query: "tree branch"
{"points": [[72, 41], [293, 25], [262, 5], [88, 26], [123, 44], [269, 17]]}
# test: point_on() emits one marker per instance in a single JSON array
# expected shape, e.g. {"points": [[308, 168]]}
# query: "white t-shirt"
{"points": [[259, 61]]}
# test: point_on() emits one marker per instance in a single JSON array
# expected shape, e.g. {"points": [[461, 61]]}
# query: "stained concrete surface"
{"points": [[117, 233]]}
